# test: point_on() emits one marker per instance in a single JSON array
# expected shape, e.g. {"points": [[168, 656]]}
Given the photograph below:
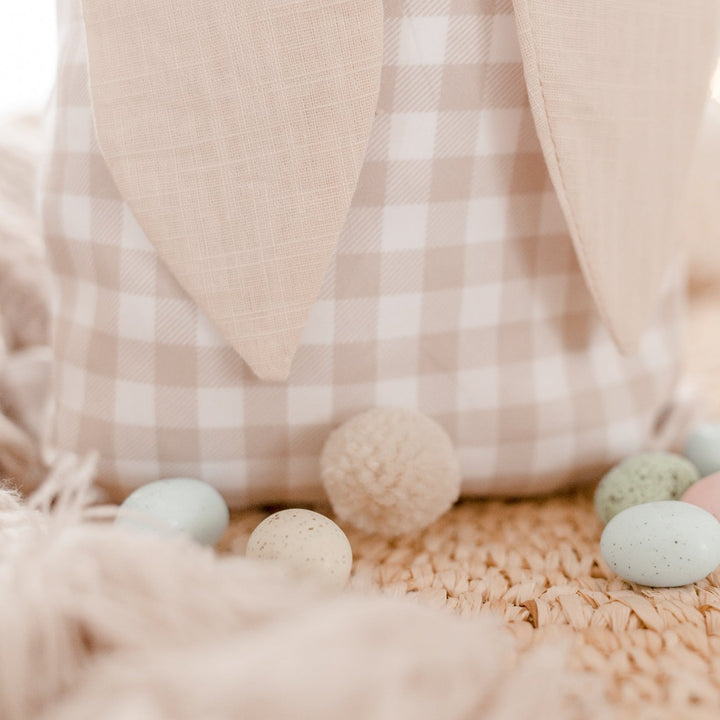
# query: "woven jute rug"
{"points": [[537, 563]]}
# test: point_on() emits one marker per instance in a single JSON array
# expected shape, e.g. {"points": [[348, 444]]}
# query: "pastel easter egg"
{"points": [[642, 478], [705, 493], [177, 505], [305, 541], [662, 544], [702, 448]]}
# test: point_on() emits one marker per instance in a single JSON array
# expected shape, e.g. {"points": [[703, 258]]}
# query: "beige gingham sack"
{"points": [[454, 290]]}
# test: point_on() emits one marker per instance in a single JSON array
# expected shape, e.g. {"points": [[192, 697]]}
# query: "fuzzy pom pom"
{"points": [[390, 471]]}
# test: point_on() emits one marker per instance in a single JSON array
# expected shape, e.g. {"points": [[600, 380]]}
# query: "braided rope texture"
{"points": [[537, 564]]}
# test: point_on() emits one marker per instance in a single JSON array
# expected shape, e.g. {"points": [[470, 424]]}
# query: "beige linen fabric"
{"points": [[244, 179], [236, 131], [454, 289], [617, 91]]}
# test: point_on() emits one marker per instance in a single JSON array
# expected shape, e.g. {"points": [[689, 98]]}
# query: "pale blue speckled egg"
{"points": [[177, 505], [662, 544], [702, 448]]}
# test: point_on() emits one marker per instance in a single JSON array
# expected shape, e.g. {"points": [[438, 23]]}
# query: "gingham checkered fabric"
{"points": [[454, 290]]}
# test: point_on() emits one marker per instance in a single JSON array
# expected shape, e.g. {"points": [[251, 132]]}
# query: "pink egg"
{"points": [[706, 494]]}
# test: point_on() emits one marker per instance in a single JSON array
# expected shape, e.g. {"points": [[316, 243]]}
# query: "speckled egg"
{"points": [[177, 504], [642, 478], [307, 542], [662, 544], [702, 448], [705, 493]]}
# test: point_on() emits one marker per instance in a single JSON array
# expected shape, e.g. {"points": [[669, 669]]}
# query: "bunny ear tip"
{"points": [[270, 358], [247, 236], [277, 370]]}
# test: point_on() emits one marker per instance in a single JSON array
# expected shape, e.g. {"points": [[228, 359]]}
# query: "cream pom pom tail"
{"points": [[390, 471]]}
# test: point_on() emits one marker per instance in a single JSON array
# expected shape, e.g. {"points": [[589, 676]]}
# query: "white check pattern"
{"points": [[455, 291]]}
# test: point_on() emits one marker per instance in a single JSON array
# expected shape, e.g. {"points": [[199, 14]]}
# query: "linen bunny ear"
{"points": [[617, 92], [235, 132]]}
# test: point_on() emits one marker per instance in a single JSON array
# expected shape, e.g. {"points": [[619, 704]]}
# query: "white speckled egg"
{"points": [[662, 544], [306, 541], [177, 504]]}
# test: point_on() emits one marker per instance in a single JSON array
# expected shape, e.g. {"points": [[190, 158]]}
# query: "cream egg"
{"points": [[305, 541]]}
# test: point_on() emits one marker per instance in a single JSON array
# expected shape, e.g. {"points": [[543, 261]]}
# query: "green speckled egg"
{"points": [[643, 478]]}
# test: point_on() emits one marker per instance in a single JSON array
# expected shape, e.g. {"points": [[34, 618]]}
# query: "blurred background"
{"points": [[27, 54], [28, 49]]}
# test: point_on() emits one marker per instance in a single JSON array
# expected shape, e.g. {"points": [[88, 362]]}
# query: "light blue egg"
{"points": [[662, 544], [177, 505], [702, 448]]}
